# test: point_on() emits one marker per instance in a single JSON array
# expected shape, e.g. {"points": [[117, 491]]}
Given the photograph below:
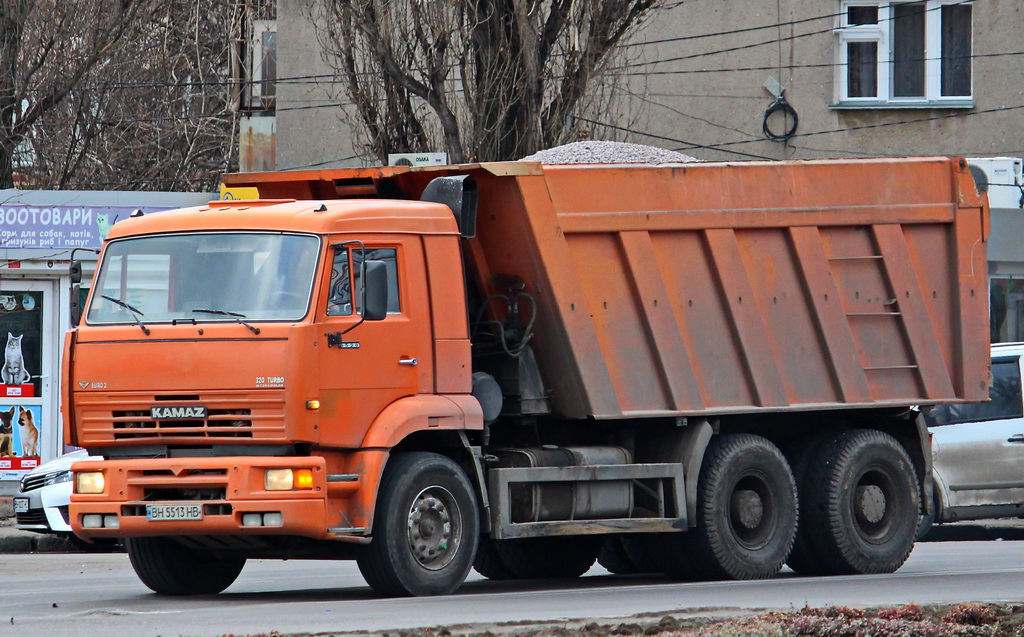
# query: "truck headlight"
{"points": [[89, 482], [287, 479]]}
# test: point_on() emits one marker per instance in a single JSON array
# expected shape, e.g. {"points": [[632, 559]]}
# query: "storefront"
{"points": [[1004, 179], [1006, 276], [39, 231]]}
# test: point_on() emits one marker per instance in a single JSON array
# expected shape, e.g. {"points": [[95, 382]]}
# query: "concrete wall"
{"points": [[311, 132], [704, 95]]}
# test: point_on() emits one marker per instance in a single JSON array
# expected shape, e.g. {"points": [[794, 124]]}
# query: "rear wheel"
{"points": [[927, 520], [549, 557], [862, 504], [169, 568], [645, 550], [426, 530], [488, 562], [614, 558], [746, 514], [804, 558]]}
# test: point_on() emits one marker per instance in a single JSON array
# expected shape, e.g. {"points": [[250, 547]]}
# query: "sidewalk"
{"points": [[13, 540]]}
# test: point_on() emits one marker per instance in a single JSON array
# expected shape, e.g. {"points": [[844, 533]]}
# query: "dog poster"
{"points": [[21, 435]]}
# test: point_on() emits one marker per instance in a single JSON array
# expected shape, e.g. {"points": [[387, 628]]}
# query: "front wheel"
{"points": [[426, 528], [169, 568]]}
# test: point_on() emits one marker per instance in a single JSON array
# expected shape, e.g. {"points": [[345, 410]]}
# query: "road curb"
{"points": [[16, 541]]}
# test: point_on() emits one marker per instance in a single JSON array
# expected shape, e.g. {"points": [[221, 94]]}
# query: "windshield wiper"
{"points": [[235, 315], [135, 312]]}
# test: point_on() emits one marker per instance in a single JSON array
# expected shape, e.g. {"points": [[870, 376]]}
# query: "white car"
{"points": [[41, 503], [978, 448]]}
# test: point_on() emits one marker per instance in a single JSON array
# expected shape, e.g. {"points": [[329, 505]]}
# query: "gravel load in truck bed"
{"points": [[601, 152]]}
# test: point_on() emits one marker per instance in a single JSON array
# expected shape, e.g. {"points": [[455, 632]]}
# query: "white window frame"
{"points": [[882, 35], [256, 79]]}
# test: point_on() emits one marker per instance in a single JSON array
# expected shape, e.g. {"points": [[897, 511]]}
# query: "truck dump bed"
{"points": [[727, 287]]}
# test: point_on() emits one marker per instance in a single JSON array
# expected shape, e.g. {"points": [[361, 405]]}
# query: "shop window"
{"points": [[21, 315], [894, 53], [1006, 310]]}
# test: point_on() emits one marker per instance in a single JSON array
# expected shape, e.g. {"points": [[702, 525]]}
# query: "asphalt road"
{"points": [[98, 595]]}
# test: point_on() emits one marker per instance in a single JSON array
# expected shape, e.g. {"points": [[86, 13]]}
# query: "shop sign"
{"points": [[62, 227]]}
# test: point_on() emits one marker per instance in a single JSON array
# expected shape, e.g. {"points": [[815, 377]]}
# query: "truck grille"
{"points": [[114, 417], [221, 423]]}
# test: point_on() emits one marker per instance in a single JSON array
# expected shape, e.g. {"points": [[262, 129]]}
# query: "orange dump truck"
{"points": [[708, 370]]}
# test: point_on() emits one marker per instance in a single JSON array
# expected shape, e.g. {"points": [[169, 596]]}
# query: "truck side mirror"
{"points": [[76, 304], [375, 291], [75, 272]]}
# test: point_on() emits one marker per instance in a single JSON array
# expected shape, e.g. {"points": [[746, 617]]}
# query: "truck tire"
{"points": [[549, 557], [746, 514], [804, 558], [614, 559], [489, 563], [169, 568], [862, 504], [426, 528], [926, 522], [644, 551]]}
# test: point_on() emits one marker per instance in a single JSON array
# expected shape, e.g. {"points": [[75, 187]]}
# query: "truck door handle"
{"points": [[414, 363], [1016, 438]]}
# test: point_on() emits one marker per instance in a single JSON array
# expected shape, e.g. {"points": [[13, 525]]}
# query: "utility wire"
{"points": [[905, 122], [823, 64], [689, 145], [769, 42]]}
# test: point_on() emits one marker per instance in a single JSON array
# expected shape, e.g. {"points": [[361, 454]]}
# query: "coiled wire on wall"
{"points": [[780, 104]]}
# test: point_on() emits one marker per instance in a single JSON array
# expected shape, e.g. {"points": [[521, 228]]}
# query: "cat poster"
{"points": [[21, 345]]}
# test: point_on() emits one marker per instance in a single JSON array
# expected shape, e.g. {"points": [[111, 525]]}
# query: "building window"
{"points": [[254, 66], [264, 65], [895, 53]]}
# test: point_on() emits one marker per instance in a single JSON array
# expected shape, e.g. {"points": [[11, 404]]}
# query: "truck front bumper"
{"points": [[205, 497]]}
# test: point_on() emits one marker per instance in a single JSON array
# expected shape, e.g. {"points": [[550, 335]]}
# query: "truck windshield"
{"points": [[205, 277]]}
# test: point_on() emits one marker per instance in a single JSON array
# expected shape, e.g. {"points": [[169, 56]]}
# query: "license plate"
{"points": [[21, 505], [173, 512]]}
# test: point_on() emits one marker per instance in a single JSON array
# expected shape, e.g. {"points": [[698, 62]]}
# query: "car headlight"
{"points": [[57, 477], [89, 482]]}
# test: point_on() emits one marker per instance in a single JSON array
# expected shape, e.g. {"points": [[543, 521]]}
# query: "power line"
{"points": [[771, 41], [689, 145], [918, 120], [821, 64], [716, 34]]}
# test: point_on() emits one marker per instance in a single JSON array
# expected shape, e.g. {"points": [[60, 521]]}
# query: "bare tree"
{"points": [[488, 79], [154, 113], [47, 48]]}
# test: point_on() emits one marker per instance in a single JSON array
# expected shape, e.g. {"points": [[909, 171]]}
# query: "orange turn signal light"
{"points": [[303, 479]]}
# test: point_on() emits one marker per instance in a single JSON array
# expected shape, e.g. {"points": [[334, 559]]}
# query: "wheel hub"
{"points": [[870, 503], [747, 508], [432, 536]]}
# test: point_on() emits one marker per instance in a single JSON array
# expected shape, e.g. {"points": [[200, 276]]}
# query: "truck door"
{"points": [[366, 366]]}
